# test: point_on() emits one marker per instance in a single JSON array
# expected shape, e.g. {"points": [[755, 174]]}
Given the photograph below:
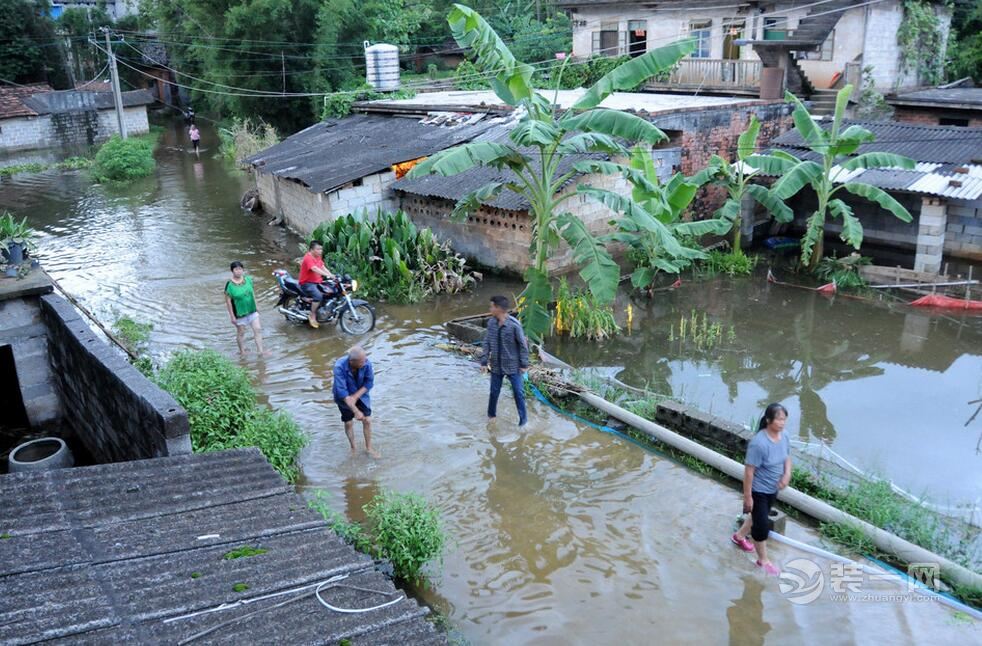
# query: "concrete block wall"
{"points": [[963, 233], [303, 210], [501, 239], [117, 413]]}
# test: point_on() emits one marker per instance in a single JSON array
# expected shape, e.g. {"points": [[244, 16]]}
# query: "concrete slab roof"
{"points": [[649, 102]]}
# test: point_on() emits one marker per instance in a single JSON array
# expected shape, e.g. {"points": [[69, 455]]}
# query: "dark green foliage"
{"points": [[196, 575], [223, 411], [467, 76], [921, 41], [402, 528], [391, 259], [30, 51], [16, 169], [407, 531], [244, 552], [240, 587], [965, 42], [122, 160], [731, 263], [845, 271]]}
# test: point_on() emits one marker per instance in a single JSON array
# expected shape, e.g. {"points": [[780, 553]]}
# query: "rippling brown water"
{"points": [[559, 533]]}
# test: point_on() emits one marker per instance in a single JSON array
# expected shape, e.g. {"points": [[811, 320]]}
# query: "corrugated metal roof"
{"points": [[457, 187], [945, 144], [134, 552], [334, 152], [954, 97]]}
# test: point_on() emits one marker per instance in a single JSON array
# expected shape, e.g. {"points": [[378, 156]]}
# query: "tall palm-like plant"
{"points": [[651, 221], [540, 140], [834, 146], [736, 178]]}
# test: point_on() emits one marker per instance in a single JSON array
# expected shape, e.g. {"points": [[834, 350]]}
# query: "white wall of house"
{"points": [[303, 210], [49, 131], [865, 34]]}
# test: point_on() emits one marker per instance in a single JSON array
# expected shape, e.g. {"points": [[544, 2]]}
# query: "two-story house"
{"points": [[818, 44]]}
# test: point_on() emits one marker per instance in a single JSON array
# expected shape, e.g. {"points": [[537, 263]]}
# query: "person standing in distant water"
{"points": [[506, 354], [354, 378], [767, 470], [195, 135], [240, 299]]}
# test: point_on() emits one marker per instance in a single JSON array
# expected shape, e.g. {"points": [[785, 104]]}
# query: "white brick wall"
{"points": [[45, 131]]}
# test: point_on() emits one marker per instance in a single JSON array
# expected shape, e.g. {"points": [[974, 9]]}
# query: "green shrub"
{"points": [[132, 334], [34, 167], [391, 258], [349, 531], [223, 411], [122, 160], [406, 530], [844, 271], [467, 76], [580, 315], [242, 138]]}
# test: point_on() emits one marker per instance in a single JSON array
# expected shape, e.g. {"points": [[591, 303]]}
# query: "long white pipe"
{"points": [[894, 578], [890, 543]]}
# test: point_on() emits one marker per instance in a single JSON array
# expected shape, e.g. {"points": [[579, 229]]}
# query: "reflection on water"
{"points": [[558, 534], [885, 385]]}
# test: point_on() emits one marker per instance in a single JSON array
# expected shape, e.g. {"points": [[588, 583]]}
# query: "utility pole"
{"points": [[283, 71], [117, 95]]}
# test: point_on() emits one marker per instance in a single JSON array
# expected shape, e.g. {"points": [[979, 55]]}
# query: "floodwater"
{"points": [[890, 388], [559, 534]]}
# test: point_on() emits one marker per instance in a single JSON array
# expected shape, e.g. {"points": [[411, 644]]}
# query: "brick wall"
{"points": [[933, 116], [117, 413], [303, 210], [704, 133], [69, 129]]}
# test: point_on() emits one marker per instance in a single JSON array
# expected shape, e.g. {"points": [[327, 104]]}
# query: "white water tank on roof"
{"points": [[382, 67]]}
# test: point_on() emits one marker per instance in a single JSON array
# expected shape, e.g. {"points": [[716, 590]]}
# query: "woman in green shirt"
{"points": [[240, 299]]}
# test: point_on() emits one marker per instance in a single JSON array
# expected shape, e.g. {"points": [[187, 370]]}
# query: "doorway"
{"points": [[637, 37]]}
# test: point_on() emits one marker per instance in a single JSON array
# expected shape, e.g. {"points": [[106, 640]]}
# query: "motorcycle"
{"points": [[354, 315]]}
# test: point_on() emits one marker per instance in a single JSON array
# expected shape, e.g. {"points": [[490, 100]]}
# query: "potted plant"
{"points": [[16, 241]]}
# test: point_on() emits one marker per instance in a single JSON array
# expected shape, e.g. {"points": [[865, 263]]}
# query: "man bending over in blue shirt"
{"points": [[353, 379]]}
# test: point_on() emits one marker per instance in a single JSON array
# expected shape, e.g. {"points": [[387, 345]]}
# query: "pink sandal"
{"points": [[742, 543], [770, 568]]}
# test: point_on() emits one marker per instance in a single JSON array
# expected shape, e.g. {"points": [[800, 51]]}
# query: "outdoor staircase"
{"points": [[811, 32], [823, 102]]}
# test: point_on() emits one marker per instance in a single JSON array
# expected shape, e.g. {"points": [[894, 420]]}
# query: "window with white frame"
{"points": [[700, 31]]}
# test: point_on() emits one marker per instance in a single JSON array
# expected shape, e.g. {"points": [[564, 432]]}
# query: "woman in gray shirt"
{"points": [[767, 470]]}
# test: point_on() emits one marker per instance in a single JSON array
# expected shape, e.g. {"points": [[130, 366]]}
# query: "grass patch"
{"points": [[196, 575], [244, 552], [132, 334], [74, 163], [224, 412], [240, 587], [243, 138], [5, 536], [16, 169], [579, 314]]}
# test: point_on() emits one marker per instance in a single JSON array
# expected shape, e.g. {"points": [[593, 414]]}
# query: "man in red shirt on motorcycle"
{"points": [[312, 275]]}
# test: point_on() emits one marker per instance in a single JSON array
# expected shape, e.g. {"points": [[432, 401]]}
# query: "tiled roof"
{"points": [[12, 99], [334, 152], [135, 552]]}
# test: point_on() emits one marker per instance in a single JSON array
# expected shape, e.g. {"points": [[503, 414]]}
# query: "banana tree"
{"points": [[539, 141], [835, 146], [736, 178], [651, 221]]}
